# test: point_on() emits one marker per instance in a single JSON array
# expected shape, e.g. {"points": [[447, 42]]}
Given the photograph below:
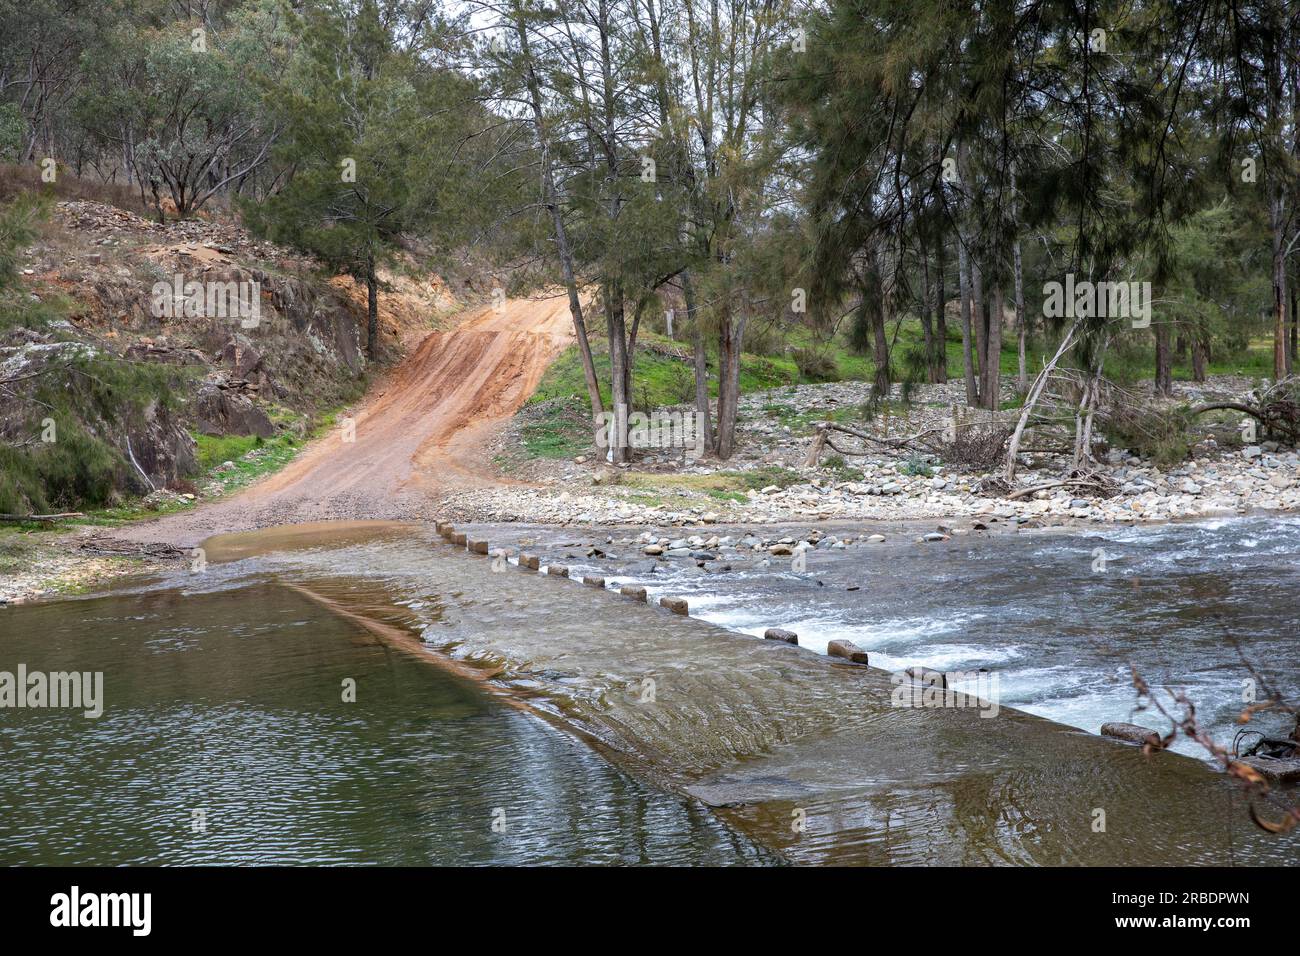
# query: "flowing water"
{"points": [[1061, 618], [599, 729]]}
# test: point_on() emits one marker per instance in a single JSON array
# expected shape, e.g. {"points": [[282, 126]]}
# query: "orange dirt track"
{"points": [[423, 431]]}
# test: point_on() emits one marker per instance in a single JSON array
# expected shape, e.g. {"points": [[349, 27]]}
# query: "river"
{"points": [[523, 718]]}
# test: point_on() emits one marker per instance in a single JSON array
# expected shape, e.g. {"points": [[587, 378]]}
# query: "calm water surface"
{"points": [[229, 702]]}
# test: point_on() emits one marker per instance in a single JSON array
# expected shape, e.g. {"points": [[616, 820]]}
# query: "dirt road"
{"points": [[424, 431]]}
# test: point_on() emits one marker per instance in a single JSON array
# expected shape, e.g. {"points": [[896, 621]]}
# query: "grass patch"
{"points": [[16, 550], [729, 485], [213, 450], [251, 458], [557, 432]]}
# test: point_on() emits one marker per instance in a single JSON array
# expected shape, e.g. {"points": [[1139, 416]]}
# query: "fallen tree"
{"points": [[1276, 408]]}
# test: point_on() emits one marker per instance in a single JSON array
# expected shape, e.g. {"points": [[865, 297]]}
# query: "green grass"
{"points": [[560, 434], [212, 450], [16, 549], [728, 484], [662, 380], [251, 458]]}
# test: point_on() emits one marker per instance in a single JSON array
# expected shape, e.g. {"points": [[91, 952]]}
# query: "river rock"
{"points": [[559, 570], [529, 561], [847, 650], [1133, 733], [593, 581], [780, 634], [1281, 770], [675, 604], [635, 593]]}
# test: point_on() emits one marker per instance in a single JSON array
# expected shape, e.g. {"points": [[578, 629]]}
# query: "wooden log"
{"points": [[55, 517], [815, 450]]}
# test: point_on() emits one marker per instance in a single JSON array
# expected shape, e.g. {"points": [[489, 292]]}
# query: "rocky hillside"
{"points": [[132, 350]]}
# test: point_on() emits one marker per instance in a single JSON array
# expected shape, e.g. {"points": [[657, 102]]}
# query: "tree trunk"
{"points": [[941, 317], [1295, 327], [730, 336], [873, 301], [927, 324], [980, 321], [1200, 353], [968, 364], [1022, 323], [615, 326], [701, 361], [557, 223], [1164, 360], [372, 311], [1035, 391], [1281, 354], [1273, 63], [993, 359]]}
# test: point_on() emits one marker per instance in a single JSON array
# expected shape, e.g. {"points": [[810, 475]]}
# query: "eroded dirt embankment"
{"points": [[424, 430]]}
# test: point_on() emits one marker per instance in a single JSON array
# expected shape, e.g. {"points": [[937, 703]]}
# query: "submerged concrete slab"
{"points": [[769, 733]]}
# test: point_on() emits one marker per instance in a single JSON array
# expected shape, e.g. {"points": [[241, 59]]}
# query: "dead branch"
{"points": [[58, 517]]}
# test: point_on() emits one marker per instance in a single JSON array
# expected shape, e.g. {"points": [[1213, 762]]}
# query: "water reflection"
{"points": [[226, 739]]}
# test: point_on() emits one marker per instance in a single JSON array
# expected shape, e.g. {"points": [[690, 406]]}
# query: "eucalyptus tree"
{"points": [[372, 132]]}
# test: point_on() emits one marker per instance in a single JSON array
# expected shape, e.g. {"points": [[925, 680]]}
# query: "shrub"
{"points": [[816, 366], [1160, 434]]}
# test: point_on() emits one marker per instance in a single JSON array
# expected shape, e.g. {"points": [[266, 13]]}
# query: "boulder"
{"points": [[635, 593], [221, 411], [244, 361]]}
